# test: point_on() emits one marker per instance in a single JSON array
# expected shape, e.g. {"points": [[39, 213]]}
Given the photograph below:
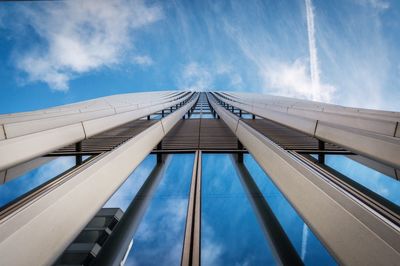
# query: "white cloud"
{"points": [[196, 76], [211, 248], [80, 36], [143, 60], [281, 76], [292, 80], [377, 4]]}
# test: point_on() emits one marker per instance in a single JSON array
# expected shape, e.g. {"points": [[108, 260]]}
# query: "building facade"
{"points": [[203, 178]]}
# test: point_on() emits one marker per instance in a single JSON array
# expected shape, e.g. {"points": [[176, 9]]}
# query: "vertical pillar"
{"points": [[240, 154], [321, 155], [114, 249], [159, 154], [191, 244], [78, 156], [282, 248]]}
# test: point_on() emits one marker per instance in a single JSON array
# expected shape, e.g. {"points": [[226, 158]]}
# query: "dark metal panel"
{"points": [[200, 134], [108, 140], [286, 137]]}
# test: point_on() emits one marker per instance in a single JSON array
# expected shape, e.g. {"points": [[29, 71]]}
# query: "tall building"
{"points": [[203, 178]]}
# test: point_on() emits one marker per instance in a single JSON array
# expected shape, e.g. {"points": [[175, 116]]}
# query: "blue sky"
{"points": [[343, 51]]}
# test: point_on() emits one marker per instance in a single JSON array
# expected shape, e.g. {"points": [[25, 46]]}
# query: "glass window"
{"points": [[159, 239], [310, 249], [230, 232], [375, 181], [195, 116], [45, 169], [125, 194], [247, 116], [207, 116]]}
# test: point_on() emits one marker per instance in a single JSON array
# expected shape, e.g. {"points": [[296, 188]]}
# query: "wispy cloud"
{"points": [[378, 4], [293, 80], [314, 68], [196, 76], [204, 76], [75, 37], [280, 73], [143, 60]]}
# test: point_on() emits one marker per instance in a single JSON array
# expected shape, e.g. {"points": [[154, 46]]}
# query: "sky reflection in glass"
{"points": [[195, 116], [159, 239], [125, 194], [207, 116], [230, 232], [32, 179], [310, 249], [375, 181]]}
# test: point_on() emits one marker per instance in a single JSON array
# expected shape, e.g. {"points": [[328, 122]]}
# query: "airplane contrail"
{"points": [[314, 68]]}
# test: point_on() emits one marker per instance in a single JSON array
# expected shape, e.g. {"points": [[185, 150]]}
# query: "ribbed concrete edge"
{"points": [[383, 148], [17, 150]]}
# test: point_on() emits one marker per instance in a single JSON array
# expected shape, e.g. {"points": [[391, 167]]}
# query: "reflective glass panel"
{"points": [[230, 232], [375, 181], [159, 239], [125, 194], [195, 116], [44, 169], [207, 116], [247, 116], [307, 245]]}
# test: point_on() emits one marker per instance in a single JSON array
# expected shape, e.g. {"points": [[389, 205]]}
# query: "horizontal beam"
{"points": [[23, 148], [379, 147]]}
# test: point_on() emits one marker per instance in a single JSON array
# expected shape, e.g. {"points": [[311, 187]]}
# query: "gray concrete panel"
{"points": [[20, 149]]}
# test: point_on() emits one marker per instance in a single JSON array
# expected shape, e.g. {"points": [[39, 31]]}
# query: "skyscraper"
{"points": [[235, 178]]}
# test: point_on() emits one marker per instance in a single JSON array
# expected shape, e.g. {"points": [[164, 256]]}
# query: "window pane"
{"points": [[375, 181], [207, 116], [307, 245], [159, 239], [247, 116], [195, 116], [125, 194], [230, 232], [47, 169]]}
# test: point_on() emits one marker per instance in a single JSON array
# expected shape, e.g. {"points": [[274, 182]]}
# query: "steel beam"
{"points": [[191, 245]]}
